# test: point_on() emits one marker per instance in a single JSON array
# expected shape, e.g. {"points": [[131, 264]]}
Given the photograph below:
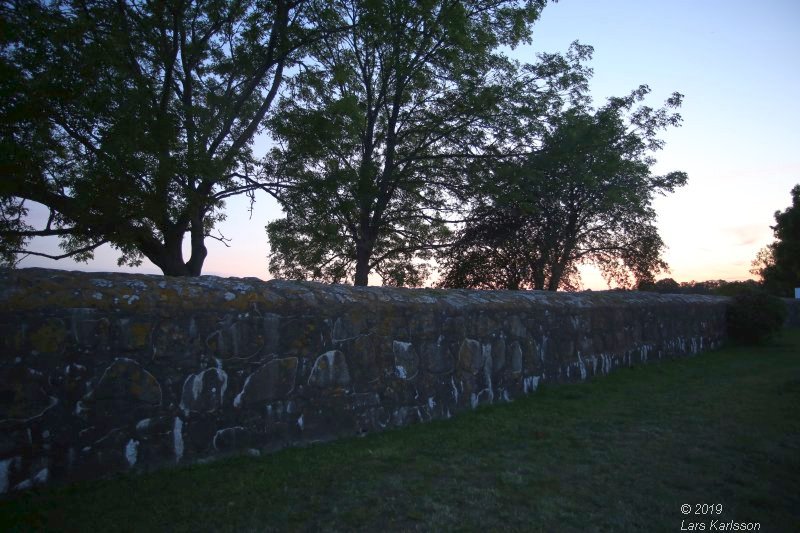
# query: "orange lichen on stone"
{"points": [[49, 338], [140, 334]]}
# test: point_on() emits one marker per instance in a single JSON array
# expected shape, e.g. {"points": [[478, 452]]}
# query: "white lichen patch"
{"points": [[193, 389], [582, 367], [136, 284], [330, 369], [177, 439], [542, 347], [74, 368], [405, 360], [530, 384], [131, 451], [606, 363], [473, 400], [643, 352], [40, 478], [5, 467]]}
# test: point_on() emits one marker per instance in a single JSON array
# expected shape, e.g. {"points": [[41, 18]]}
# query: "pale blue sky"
{"points": [[738, 65]]}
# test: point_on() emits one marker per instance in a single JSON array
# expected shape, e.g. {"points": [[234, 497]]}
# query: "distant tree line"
{"points": [[717, 287], [403, 140]]}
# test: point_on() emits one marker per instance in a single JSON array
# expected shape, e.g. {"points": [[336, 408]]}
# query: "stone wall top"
{"points": [[39, 288]]}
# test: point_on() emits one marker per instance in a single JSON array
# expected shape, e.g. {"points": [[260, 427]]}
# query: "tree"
{"points": [[132, 121], [668, 286], [778, 264], [583, 196], [378, 129]]}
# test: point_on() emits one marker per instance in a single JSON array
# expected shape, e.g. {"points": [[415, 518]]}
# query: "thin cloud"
{"points": [[750, 234]]}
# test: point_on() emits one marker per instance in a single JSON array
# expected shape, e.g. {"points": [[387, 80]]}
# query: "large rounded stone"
{"points": [[50, 337], [470, 356], [406, 362], [272, 381], [436, 357], [231, 439], [123, 387], [516, 357], [330, 370], [22, 394], [239, 337], [346, 328], [204, 391]]}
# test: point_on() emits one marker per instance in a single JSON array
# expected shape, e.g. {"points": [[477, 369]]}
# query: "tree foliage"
{"points": [[379, 129], [754, 316], [133, 121], [778, 264], [583, 196]]}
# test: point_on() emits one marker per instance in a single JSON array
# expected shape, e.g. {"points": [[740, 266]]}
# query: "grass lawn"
{"points": [[621, 453]]}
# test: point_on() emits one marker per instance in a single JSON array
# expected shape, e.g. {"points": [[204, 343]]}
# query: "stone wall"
{"points": [[792, 313], [103, 373]]}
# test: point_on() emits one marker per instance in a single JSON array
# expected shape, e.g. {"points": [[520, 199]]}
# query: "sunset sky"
{"points": [[738, 65]]}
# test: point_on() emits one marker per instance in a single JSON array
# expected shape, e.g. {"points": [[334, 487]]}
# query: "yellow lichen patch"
{"points": [[50, 337], [165, 295], [140, 334], [301, 341]]}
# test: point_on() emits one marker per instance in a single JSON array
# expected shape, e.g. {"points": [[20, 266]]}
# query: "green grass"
{"points": [[621, 453]]}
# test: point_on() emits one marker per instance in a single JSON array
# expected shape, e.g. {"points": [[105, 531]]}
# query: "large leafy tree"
{"points": [[582, 196], [379, 129], [132, 121], [778, 264]]}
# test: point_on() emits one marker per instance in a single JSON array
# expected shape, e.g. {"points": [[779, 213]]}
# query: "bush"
{"points": [[754, 316]]}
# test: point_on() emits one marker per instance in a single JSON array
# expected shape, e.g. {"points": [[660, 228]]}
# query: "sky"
{"points": [[737, 64]]}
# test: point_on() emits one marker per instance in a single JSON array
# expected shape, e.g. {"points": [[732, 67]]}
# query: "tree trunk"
{"points": [[199, 251], [537, 276], [168, 256], [555, 276], [363, 253]]}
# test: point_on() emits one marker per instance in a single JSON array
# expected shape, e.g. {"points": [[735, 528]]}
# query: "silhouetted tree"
{"points": [[377, 133], [778, 264], [584, 196], [663, 286], [132, 122]]}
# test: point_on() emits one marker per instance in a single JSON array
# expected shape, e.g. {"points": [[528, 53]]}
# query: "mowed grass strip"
{"points": [[620, 453]]}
